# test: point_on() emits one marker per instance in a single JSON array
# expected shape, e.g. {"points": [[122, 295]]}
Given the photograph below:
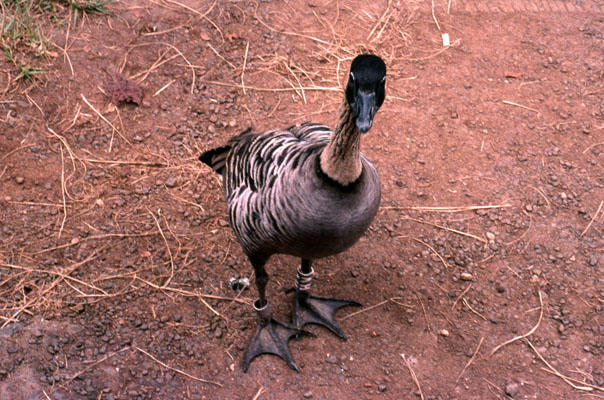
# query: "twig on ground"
{"points": [[566, 379], [445, 264], [122, 162], [66, 277], [72, 156], [15, 150], [434, 16], [542, 195], [221, 57], [161, 232], [95, 237], [424, 311], [199, 296], [470, 361], [592, 146], [447, 209], [163, 87], [514, 272], [158, 63], [247, 47], [94, 364], [185, 200], [269, 27], [461, 295], [380, 20], [593, 219], [413, 376], [496, 388], [203, 15], [54, 283], [381, 303], [102, 117], [524, 233], [31, 101], [259, 393], [177, 370], [467, 304], [526, 334], [63, 190], [519, 105], [177, 51], [66, 47], [32, 203], [421, 221], [265, 89], [297, 80]]}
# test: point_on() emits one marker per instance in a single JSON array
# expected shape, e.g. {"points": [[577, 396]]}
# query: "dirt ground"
{"points": [[482, 277]]}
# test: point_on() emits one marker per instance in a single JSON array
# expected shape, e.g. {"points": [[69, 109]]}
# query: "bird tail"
{"points": [[216, 158]]}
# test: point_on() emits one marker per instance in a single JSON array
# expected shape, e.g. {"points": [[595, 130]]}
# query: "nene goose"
{"points": [[304, 191]]}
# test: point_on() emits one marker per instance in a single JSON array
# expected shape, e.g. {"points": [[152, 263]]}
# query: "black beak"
{"points": [[364, 109]]}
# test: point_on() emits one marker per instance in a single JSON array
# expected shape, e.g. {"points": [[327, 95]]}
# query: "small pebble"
{"points": [[466, 276], [332, 359], [218, 333], [444, 332], [382, 388], [490, 236], [20, 180], [308, 395], [171, 182], [512, 388]]}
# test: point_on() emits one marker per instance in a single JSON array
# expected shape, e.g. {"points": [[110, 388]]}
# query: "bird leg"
{"points": [[271, 336], [310, 309]]}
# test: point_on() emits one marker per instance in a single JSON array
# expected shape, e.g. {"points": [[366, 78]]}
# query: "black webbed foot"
{"points": [[318, 310], [271, 337]]}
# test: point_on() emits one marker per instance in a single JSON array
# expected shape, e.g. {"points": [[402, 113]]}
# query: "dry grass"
{"points": [[28, 285], [530, 332]]}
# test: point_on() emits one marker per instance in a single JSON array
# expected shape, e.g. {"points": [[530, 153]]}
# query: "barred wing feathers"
{"points": [[258, 169]]}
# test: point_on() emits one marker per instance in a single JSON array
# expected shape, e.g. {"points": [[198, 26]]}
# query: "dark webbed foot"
{"points": [[271, 337], [313, 309], [318, 310]]}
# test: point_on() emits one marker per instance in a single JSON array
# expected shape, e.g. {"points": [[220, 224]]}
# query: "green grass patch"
{"points": [[25, 25]]}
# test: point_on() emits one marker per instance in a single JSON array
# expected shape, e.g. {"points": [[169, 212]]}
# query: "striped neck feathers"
{"points": [[341, 158]]}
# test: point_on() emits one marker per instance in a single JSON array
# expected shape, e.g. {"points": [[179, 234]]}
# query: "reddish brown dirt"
{"points": [[115, 250]]}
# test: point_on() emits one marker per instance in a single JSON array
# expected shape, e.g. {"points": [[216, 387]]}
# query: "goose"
{"points": [[305, 191]]}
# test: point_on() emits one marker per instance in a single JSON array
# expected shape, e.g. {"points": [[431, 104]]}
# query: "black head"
{"points": [[366, 88]]}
